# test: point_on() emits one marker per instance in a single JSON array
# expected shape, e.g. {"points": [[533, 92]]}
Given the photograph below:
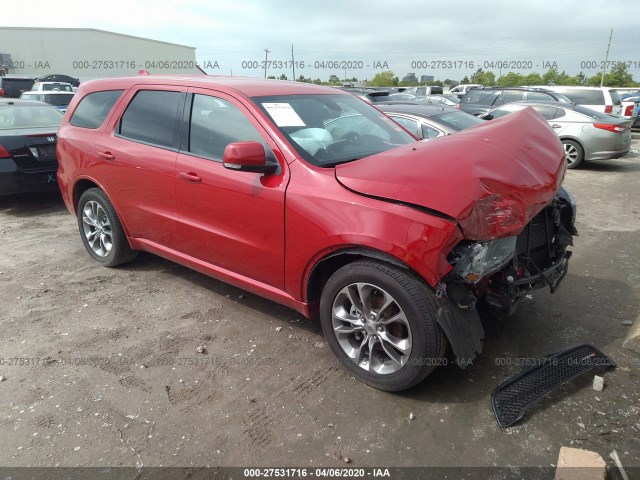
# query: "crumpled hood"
{"points": [[514, 162]]}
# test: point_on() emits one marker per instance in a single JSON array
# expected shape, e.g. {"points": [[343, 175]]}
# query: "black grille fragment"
{"points": [[511, 398]]}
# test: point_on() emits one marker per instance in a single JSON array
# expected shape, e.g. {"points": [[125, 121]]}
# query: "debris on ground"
{"points": [[201, 349], [591, 465], [411, 416], [598, 383]]}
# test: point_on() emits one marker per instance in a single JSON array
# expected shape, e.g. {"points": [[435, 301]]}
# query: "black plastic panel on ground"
{"points": [[511, 399]]}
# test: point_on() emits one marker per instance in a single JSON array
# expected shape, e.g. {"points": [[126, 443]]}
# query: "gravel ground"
{"points": [[101, 366]]}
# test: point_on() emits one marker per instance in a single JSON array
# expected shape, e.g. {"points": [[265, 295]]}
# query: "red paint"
{"points": [[265, 233]]}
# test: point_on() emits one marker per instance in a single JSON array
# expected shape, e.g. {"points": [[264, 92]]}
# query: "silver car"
{"points": [[428, 121], [585, 133]]}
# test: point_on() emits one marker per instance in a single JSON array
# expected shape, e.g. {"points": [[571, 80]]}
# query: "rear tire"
{"points": [[573, 152], [380, 321], [101, 231]]}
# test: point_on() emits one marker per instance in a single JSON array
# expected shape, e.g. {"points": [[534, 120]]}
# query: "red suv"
{"points": [[315, 199]]}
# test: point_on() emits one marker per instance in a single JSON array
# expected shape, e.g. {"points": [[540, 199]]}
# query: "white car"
{"points": [[461, 89], [60, 100], [601, 99], [52, 87]]}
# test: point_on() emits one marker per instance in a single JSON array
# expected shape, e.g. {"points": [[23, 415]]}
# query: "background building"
{"points": [[410, 78], [86, 53]]}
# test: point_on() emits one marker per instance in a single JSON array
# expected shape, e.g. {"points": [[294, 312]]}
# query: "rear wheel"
{"points": [[380, 321], [101, 230], [574, 153]]}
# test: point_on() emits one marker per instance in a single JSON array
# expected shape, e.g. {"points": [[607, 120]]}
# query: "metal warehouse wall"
{"points": [[88, 53]]}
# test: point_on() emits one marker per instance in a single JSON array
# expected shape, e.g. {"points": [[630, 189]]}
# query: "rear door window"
{"points": [[585, 96], [152, 117], [548, 113], [94, 108], [509, 96], [538, 97], [483, 97]]}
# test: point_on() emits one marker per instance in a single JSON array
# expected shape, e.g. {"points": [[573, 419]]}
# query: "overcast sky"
{"points": [[528, 35]]}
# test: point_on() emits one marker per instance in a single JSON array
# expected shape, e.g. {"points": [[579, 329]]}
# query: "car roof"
{"points": [[412, 108], [537, 104], [527, 89], [248, 86], [21, 102], [47, 92], [53, 83]]}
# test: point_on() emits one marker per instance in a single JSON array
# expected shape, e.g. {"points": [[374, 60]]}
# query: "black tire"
{"points": [[101, 231], [416, 302], [574, 153]]}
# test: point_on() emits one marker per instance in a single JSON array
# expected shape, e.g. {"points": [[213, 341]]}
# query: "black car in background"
{"points": [[13, 87], [60, 78], [480, 100], [28, 136]]}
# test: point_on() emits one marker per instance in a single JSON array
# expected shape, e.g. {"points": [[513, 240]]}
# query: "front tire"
{"points": [[573, 152], [380, 321], [101, 231]]}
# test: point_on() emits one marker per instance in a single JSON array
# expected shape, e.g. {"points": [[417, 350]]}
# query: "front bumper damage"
{"points": [[539, 259]]}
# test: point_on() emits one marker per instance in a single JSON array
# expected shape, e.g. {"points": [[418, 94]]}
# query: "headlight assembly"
{"points": [[481, 259]]}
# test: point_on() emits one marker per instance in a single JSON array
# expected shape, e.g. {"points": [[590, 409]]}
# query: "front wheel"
{"points": [[573, 152], [380, 321], [101, 230]]}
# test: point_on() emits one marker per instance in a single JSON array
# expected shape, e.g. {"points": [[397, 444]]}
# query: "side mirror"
{"points": [[247, 157]]}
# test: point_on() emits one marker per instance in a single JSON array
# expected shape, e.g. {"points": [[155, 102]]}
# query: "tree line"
{"points": [[619, 76]]}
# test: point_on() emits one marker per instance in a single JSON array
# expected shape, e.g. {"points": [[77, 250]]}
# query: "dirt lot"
{"points": [[267, 390]]}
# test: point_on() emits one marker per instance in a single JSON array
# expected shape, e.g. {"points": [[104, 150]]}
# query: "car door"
{"points": [[229, 219], [137, 155]]}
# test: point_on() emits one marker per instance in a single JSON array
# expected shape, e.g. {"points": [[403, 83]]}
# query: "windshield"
{"points": [[327, 130], [14, 116]]}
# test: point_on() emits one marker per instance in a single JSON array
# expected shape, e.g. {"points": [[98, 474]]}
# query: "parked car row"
{"points": [[14, 86]]}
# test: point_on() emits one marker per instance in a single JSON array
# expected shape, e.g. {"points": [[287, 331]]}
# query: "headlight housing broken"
{"points": [[481, 259]]}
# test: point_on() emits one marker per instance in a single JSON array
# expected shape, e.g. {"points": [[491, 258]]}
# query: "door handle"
{"points": [[190, 177], [107, 155], [555, 125]]}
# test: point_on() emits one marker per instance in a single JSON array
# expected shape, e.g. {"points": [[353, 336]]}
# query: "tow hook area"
{"points": [[460, 321]]}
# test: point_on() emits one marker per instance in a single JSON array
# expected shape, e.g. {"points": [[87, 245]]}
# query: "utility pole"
{"points": [[293, 63], [606, 58], [266, 61]]}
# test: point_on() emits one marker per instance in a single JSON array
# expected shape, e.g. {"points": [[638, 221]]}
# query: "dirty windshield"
{"points": [[327, 130]]}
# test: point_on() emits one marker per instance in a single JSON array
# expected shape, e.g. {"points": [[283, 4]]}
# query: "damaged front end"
{"points": [[503, 271]]}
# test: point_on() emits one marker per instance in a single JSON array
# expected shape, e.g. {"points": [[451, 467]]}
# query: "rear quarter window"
{"points": [[94, 108]]}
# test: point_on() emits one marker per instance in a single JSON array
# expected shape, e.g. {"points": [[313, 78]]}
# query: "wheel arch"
{"points": [[331, 262], [84, 184]]}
